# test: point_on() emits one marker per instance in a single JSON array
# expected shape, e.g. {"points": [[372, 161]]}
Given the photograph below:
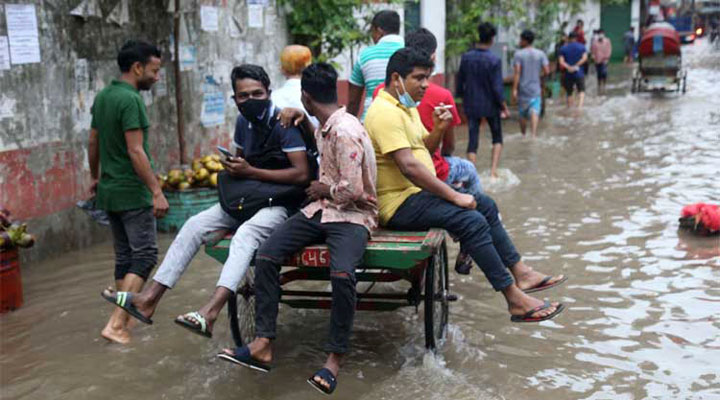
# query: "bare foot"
{"points": [[121, 336], [527, 278]]}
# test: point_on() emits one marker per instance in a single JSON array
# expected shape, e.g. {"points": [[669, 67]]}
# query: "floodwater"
{"points": [[596, 197]]}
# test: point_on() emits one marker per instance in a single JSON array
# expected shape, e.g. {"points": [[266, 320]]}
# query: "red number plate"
{"points": [[312, 258]]}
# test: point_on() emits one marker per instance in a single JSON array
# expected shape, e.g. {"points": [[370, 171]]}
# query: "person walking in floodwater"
{"points": [[256, 135], [629, 44], [572, 58], [530, 65], [601, 50], [480, 84], [127, 188]]}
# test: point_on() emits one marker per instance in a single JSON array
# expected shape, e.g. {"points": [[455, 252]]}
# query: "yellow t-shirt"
{"points": [[391, 126]]}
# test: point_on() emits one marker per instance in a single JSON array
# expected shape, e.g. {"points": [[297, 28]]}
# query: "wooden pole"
{"points": [[178, 83]]}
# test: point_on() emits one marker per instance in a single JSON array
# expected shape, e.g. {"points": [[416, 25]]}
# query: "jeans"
{"points": [[135, 241], [346, 243], [463, 176], [495, 125], [481, 234], [248, 237]]}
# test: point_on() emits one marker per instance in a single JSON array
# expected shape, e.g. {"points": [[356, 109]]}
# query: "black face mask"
{"points": [[254, 110]]}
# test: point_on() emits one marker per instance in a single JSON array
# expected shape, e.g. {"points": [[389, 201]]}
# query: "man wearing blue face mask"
{"points": [[256, 133], [411, 197]]}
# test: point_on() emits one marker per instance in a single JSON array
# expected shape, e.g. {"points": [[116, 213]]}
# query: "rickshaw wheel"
{"points": [[436, 299], [241, 310]]}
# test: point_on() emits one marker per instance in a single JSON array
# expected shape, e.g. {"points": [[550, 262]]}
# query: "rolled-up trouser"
{"points": [[346, 243], [480, 231], [247, 239], [495, 125], [463, 176], [135, 241]]}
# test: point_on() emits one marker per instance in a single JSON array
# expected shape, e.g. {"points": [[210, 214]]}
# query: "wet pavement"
{"points": [[596, 197]]}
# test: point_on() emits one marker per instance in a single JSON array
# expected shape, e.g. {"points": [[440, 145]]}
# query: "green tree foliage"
{"points": [[465, 15], [326, 26]]}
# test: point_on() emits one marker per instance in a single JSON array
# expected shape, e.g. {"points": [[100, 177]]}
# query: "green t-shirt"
{"points": [[117, 109]]}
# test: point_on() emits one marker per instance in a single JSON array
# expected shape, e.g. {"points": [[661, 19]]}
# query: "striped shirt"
{"points": [[369, 71]]}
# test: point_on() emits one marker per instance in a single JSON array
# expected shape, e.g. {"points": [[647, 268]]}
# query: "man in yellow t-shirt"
{"points": [[411, 197]]}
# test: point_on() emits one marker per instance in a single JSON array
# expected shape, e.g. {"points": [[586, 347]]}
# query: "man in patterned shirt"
{"points": [[369, 71], [342, 214]]}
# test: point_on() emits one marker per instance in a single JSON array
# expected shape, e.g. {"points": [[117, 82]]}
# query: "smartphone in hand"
{"points": [[228, 155]]}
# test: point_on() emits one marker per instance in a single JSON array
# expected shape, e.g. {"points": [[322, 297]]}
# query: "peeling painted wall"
{"points": [[43, 161]]}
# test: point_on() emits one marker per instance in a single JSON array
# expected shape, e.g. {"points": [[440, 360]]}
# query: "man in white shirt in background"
{"points": [[293, 59]]}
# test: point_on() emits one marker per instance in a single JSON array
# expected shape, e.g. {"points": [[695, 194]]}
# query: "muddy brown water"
{"points": [[598, 198]]}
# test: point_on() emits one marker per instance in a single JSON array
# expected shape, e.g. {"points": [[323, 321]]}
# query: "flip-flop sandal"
{"points": [[543, 285], [241, 356], [124, 301], [198, 326], [328, 377], [527, 317]]}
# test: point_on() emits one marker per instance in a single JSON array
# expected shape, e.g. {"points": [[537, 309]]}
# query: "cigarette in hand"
{"points": [[444, 107]]}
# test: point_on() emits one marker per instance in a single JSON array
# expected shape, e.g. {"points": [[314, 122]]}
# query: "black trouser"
{"points": [[346, 243], [481, 233], [495, 125], [135, 241]]}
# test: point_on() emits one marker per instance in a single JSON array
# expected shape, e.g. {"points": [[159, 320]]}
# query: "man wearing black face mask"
{"points": [[255, 133]]}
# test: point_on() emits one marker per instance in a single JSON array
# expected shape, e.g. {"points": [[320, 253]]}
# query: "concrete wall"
{"points": [[43, 162]]}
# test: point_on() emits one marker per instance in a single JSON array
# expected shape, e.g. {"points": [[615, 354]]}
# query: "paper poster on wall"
{"points": [[120, 14], [209, 18], [4, 53], [7, 107], [147, 97], [188, 57], [213, 109], [255, 16], [269, 23], [22, 31], [82, 76], [161, 85]]}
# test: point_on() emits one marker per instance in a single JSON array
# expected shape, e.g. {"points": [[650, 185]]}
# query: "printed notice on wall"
{"points": [[4, 53], [22, 31], [188, 57], [161, 85], [82, 76], [255, 16], [213, 109], [209, 18]]}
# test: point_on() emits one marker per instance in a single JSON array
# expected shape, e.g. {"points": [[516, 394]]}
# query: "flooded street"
{"points": [[598, 198]]}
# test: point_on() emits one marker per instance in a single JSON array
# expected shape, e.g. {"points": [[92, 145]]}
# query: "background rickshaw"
{"points": [[659, 65]]}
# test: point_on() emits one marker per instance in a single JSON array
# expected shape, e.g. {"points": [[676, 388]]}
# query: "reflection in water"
{"points": [[598, 198]]}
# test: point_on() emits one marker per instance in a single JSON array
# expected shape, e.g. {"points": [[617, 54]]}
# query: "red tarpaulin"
{"points": [[660, 38]]}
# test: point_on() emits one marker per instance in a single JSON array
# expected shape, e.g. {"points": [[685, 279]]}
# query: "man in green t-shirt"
{"points": [[127, 187]]}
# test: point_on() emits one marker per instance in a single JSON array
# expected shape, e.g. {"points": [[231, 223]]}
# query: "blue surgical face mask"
{"points": [[405, 98]]}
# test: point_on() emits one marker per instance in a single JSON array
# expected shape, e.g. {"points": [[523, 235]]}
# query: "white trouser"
{"points": [[248, 237]]}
